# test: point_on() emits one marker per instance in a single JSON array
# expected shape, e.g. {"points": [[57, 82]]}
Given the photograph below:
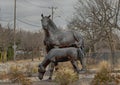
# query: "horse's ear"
{"points": [[49, 16], [42, 15]]}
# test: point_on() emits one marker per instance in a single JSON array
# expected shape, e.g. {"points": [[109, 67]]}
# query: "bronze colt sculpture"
{"points": [[59, 55], [56, 38]]}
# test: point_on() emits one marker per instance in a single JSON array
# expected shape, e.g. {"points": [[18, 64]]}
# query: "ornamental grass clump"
{"points": [[103, 76], [65, 76]]}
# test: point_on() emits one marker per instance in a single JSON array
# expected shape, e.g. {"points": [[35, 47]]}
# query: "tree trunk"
{"points": [[111, 46], [32, 55]]}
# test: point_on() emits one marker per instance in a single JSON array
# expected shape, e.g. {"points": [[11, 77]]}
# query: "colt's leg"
{"points": [[41, 71], [75, 66], [52, 65], [56, 64]]}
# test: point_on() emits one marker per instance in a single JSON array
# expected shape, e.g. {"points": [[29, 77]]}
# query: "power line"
{"points": [[27, 23], [35, 4], [52, 13], [5, 20], [27, 5], [52, 7]]}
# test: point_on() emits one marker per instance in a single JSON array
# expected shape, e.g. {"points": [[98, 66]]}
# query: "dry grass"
{"points": [[19, 71], [16, 75], [3, 75], [68, 65], [30, 69], [118, 65], [85, 82]]}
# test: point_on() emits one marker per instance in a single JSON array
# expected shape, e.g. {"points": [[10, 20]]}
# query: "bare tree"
{"points": [[31, 43], [98, 21]]}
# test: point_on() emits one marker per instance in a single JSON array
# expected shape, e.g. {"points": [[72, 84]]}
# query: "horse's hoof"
{"points": [[41, 69], [82, 71], [49, 80], [40, 78]]}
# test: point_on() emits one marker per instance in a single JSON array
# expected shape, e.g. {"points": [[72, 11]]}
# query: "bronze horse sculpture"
{"points": [[59, 55], [56, 38]]}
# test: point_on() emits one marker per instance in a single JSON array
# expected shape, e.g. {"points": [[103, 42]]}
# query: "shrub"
{"points": [[10, 53]]}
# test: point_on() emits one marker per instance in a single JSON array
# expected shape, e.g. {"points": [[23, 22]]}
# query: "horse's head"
{"points": [[45, 21], [41, 71]]}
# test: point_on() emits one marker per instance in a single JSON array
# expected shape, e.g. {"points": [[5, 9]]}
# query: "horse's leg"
{"points": [[48, 48], [83, 60], [81, 55], [56, 68], [51, 70], [75, 66]]}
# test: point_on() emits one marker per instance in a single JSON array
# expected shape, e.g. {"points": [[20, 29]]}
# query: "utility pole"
{"points": [[14, 46], [52, 9]]}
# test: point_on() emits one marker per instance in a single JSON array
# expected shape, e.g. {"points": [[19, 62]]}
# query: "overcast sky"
{"points": [[29, 12]]}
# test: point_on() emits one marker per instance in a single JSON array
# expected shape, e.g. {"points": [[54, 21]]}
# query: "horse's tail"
{"points": [[80, 41], [80, 49], [80, 55]]}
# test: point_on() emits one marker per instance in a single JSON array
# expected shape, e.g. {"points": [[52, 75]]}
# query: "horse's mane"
{"points": [[54, 27]]}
